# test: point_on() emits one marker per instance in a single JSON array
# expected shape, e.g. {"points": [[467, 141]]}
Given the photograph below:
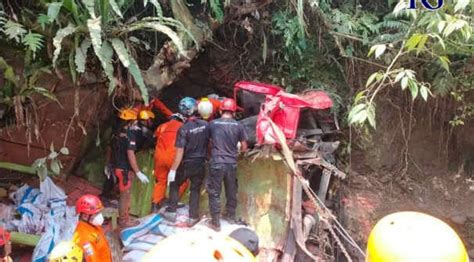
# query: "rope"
{"points": [[338, 241]]}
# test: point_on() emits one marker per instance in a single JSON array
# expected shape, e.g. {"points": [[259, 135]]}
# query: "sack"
{"points": [[146, 224]]}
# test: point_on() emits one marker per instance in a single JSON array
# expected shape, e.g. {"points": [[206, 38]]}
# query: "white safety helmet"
{"points": [[205, 108]]}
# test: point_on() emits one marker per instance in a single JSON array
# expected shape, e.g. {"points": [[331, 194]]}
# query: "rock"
{"points": [[459, 219]]}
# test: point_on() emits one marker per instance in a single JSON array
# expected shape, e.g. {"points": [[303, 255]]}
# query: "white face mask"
{"points": [[98, 220]]}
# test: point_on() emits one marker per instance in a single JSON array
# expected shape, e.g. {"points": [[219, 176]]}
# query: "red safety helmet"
{"points": [[88, 204], [228, 104], [4, 236]]}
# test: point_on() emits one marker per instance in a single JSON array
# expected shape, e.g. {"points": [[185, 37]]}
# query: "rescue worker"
{"points": [[5, 245], [124, 162], [225, 135], [66, 251], [414, 236], [164, 155], [189, 163], [89, 235]]}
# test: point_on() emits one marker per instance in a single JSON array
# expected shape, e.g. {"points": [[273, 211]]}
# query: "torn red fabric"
{"points": [[282, 108]]}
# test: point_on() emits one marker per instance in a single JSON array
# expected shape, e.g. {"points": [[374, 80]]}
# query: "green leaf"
{"points": [[424, 92], [45, 92], [80, 58], [106, 52], [53, 10], [413, 41], [400, 7], [64, 151], [379, 50], [354, 111], [160, 28], [441, 26], [55, 167], [404, 82], [43, 20], [159, 11], [421, 44], [216, 9], [14, 31], [359, 97], [60, 35], [116, 8], [444, 61], [371, 115], [33, 42], [413, 86], [95, 31], [103, 51], [399, 76], [53, 155], [121, 51], [42, 172], [371, 79], [460, 5], [90, 5], [129, 62]]}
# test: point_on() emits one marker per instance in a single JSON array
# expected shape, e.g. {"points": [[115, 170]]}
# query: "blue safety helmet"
{"points": [[187, 106]]}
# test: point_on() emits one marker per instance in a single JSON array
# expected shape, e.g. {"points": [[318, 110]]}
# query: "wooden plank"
{"points": [[24, 239]]}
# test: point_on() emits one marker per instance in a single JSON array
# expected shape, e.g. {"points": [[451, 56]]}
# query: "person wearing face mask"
{"points": [[89, 235], [125, 142], [5, 246]]}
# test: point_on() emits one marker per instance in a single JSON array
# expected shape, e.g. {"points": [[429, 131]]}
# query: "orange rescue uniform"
{"points": [[164, 156], [93, 243]]}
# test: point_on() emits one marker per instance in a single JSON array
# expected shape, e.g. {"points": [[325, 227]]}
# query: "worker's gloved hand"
{"points": [[142, 177], [171, 176]]}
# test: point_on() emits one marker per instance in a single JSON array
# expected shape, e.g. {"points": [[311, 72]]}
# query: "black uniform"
{"points": [[193, 138], [225, 133], [124, 139]]}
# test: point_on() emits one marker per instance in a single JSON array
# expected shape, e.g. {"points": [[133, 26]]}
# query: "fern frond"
{"points": [[129, 62], [14, 31], [90, 5], [105, 56], [80, 58], [33, 42], [116, 8], [159, 11], [160, 28], [216, 9], [60, 35]]}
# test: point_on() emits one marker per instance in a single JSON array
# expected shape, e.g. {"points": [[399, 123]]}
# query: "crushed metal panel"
{"points": [[264, 199]]}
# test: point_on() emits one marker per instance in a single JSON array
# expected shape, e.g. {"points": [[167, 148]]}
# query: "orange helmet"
{"points": [[146, 114], [128, 114], [89, 204]]}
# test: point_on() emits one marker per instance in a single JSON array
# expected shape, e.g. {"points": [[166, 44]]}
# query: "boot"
{"points": [[214, 223], [169, 214]]}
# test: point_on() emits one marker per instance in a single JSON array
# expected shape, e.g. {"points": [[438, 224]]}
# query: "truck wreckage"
{"points": [[284, 180]]}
